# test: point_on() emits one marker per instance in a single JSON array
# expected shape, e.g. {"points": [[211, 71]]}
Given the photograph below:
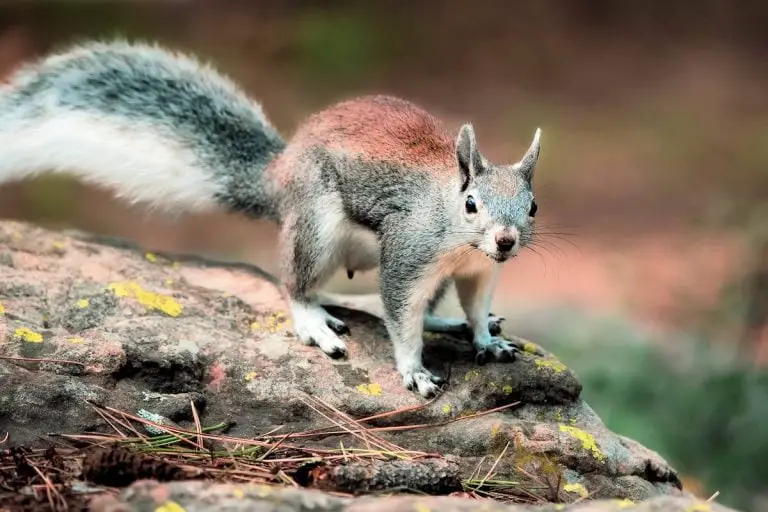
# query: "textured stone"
{"points": [[137, 331], [199, 497]]}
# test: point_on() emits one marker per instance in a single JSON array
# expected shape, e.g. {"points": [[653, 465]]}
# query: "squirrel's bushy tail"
{"points": [[152, 126]]}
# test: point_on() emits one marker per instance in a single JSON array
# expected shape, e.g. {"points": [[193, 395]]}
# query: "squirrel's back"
{"points": [[381, 128], [156, 126], [368, 157]]}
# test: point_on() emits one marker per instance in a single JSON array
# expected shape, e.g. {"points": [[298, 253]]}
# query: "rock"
{"points": [[147, 496], [85, 322]]}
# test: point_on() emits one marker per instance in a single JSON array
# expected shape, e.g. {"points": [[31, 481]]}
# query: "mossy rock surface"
{"points": [[141, 332]]}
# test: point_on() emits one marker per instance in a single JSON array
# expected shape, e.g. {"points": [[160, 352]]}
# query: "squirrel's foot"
{"points": [[311, 325], [336, 325], [497, 349], [494, 324], [422, 380], [458, 326]]}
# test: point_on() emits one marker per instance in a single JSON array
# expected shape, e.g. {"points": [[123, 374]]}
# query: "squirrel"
{"points": [[370, 182]]}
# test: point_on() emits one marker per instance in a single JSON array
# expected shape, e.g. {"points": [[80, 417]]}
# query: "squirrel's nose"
{"points": [[505, 242]]}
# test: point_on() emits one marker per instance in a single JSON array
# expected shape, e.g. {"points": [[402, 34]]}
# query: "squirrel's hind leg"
{"points": [[310, 252]]}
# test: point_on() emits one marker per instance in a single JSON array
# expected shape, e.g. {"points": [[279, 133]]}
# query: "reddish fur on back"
{"points": [[377, 128]]}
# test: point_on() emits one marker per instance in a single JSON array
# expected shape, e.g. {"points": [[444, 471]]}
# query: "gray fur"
{"points": [[437, 298], [415, 226]]}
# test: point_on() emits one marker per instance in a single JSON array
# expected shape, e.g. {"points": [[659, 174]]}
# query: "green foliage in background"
{"points": [[702, 411], [338, 45], [88, 20]]}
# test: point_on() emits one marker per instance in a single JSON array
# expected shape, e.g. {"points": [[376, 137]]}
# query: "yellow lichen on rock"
{"points": [[371, 389], [150, 257], [577, 489], [535, 462], [273, 323], [625, 503], [29, 335], [276, 322], [530, 347], [587, 440], [164, 303], [250, 376], [447, 409], [507, 390], [77, 340], [170, 506], [471, 374], [553, 364], [83, 303], [420, 507], [2, 309]]}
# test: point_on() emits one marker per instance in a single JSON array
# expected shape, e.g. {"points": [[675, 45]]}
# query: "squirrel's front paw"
{"points": [[422, 380], [336, 325], [494, 324], [497, 349], [311, 327]]}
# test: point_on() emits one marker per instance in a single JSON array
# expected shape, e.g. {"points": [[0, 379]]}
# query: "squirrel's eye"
{"points": [[534, 208], [470, 205]]}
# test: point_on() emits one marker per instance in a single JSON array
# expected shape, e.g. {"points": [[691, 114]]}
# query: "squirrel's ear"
{"points": [[528, 163], [467, 155]]}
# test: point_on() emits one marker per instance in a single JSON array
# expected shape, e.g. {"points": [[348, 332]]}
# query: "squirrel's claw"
{"points": [[338, 353], [337, 326], [424, 382], [497, 349], [332, 351], [494, 324]]}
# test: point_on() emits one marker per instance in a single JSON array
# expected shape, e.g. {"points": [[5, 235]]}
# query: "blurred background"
{"points": [[653, 177]]}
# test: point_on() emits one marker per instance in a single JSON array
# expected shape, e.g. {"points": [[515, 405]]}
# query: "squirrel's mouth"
{"points": [[501, 257], [498, 258]]}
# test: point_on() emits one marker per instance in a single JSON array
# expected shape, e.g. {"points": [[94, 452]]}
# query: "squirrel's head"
{"points": [[496, 202]]}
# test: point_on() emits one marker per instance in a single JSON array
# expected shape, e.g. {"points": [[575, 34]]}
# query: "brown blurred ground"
{"points": [[655, 149]]}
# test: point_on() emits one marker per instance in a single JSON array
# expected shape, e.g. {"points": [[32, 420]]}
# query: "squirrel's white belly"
{"points": [[362, 250], [350, 245]]}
